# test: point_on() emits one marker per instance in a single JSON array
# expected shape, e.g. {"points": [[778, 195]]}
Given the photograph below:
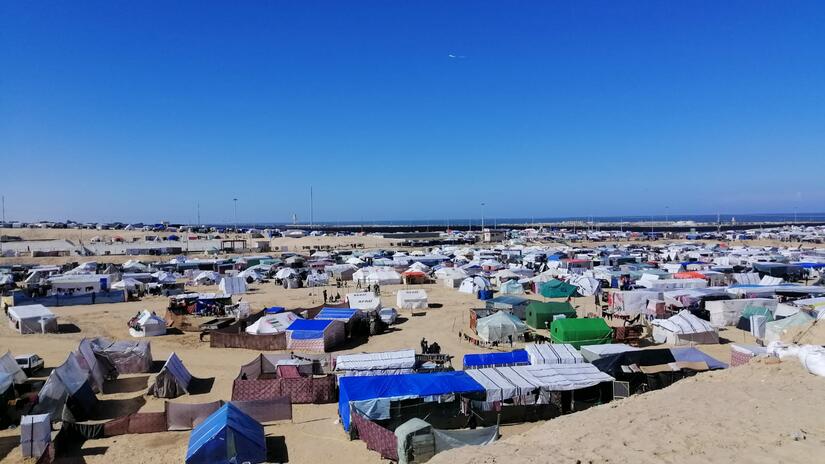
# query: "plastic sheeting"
{"points": [[173, 379], [411, 299], [545, 353], [35, 434], [227, 436], [9, 365], [500, 327], [385, 363], [684, 328]]}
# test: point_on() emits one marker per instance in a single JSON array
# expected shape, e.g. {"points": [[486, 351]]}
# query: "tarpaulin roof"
{"points": [[336, 314], [557, 289], [228, 435], [303, 329], [578, 332], [401, 386], [508, 300], [496, 359]]}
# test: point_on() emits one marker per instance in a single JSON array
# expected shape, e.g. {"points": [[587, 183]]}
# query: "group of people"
{"points": [[333, 299], [427, 348]]}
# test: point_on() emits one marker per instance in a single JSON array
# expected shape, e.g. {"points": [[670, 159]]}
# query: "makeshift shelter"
{"points": [[511, 358], [67, 393], [749, 312], [632, 302], [578, 332], [585, 286], [511, 287], [272, 375], [541, 314], [315, 335], [653, 369], [727, 312], [554, 288], [127, 357], [8, 365], [35, 435], [148, 325], [365, 301], [594, 352], [372, 395], [411, 299], [232, 285], [451, 277], [173, 380], [776, 330], [513, 304], [414, 276], [228, 436], [418, 441], [500, 327], [270, 324], [384, 363], [344, 315], [317, 279], [546, 353], [377, 275], [684, 329], [32, 319]]}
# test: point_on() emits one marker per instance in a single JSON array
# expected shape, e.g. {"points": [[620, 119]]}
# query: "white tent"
{"points": [[557, 353], [149, 325], [377, 275], [364, 301], [317, 279], [286, 273], [232, 285], [411, 299], [450, 276], [207, 278], [270, 324], [776, 330], [127, 284], [9, 365], [511, 287], [473, 284], [594, 352], [32, 319], [385, 363], [499, 326], [684, 329], [587, 286], [354, 261]]}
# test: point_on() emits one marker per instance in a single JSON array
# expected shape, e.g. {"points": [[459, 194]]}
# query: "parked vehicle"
{"points": [[30, 363], [388, 315]]}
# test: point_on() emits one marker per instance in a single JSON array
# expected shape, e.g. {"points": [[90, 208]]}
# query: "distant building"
{"points": [[493, 235]]}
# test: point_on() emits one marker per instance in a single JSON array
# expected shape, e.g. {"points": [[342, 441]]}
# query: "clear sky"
{"points": [[134, 111]]}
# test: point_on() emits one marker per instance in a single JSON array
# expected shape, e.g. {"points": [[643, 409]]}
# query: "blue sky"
{"points": [[135, 111]]}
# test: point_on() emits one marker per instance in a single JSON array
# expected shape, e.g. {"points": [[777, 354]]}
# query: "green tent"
{"points": [[757, 311], [580, 332], [556, 289], [538, 312]]}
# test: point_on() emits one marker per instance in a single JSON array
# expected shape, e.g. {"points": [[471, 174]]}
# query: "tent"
{"points": [[511, 287], [513, 304], [411, 299], [540, 314], [206, 278], [418, 440], [67, 393], [632, 302], [270, 324], [655, 368], [371, 395], [684, 329], [578, 332], [127, 357], [594, 352], [511, 358], [500, 327], [377, 275], [232, 285], [473, 285], [504, 383], [384, 363], [317, 279], [414, 276], [750, 311], [341, 271], [148, 325], [365, 301], [451, 277], [173, 379], [585, 286], [336, 314], [545, 353], [8, 365], [32, 319], [227, 436], [776, 330], [727, 312], [314, 335], [35, 435], [556, 289]]}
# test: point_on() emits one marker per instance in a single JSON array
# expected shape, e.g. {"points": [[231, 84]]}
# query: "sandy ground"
{"points": [[758, 413]]}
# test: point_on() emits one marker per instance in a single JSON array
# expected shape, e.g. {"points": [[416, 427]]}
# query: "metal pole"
{"points": [[311, 209], [482, 218], [235, 209]]}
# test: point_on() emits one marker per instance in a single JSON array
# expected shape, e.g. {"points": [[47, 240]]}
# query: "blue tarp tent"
{"points": [[274, 310], [227, 436], [336, 314], [513, 358], [303, 329], [404, 386]]}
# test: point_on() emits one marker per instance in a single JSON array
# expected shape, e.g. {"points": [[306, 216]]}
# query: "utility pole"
{"points": [[199, 214], [235, 209], [311, 209], [4, 209]]}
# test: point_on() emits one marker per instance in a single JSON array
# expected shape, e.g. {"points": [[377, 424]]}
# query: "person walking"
{"points": [[325, 296]]}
